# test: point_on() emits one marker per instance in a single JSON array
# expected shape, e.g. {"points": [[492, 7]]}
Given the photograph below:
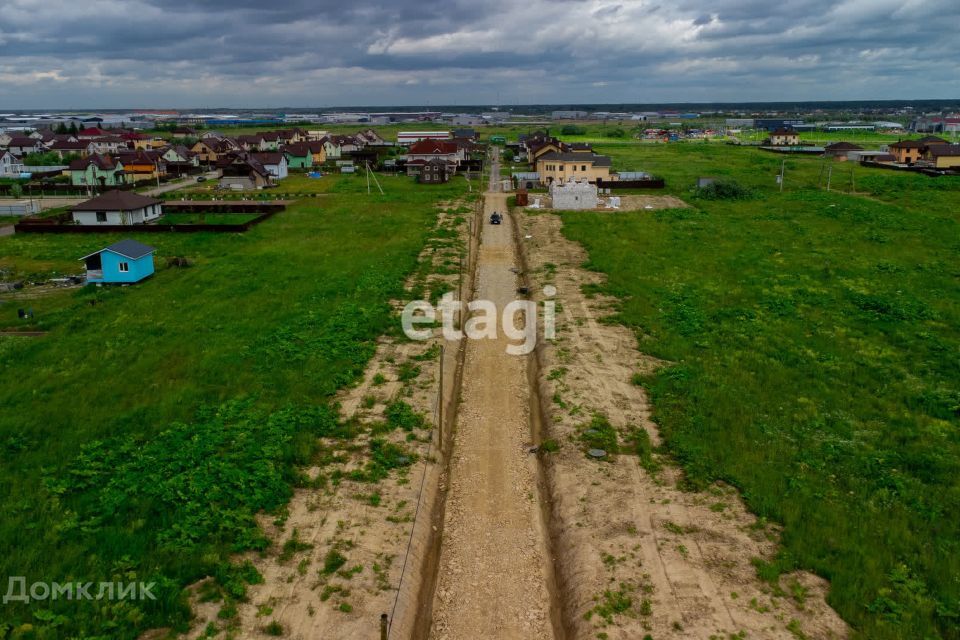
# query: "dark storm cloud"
{"points": [[297, 52]]}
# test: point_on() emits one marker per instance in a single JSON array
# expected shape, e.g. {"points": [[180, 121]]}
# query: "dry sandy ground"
{"points": [[373, 535], [493, 575], [683, 558], [627, 202]]}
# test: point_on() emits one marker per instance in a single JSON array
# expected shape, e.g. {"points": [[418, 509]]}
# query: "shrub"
{"points": [[724, 190]]}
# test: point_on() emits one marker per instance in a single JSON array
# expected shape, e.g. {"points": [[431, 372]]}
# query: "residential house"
{"points": [[272, 140], [254, 142], [275, 163], [5, 139], [468, 134], [299, 156], [928, 140], [430, 149], [180, 160], [9, 164], [97, 170], [24, 145], [331, 148], [92, 132], [210, 149], [145, 142], [942, 156], [63, 148], [241, 170], [108, 144], [422, 152], [319, 152], [143, 165], [574, 195], [117, 208], [123, 262], [562, 167], [348, 144], [840, 150], [369, 136], [906, 151], [184, 132], [294, 136], [435, 171], [783, 137]]}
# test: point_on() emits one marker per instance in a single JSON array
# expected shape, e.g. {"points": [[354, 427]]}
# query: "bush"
{"points": [[724, 190]]}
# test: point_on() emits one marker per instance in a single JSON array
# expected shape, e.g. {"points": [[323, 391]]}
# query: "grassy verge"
{"points": [[814, 345], [207, 218], [141, 435]]}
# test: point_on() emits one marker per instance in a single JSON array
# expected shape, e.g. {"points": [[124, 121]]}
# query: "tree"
{"points": [[41, 159], [61, 129], [73, 128], [16, 190]]}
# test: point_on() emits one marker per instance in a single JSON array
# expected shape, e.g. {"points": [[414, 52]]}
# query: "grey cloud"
{"points": [[54, 53]]}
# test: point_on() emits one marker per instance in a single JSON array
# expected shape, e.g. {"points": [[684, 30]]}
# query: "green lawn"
{"points": [[814, 342], [207, 218], [140, 435]]}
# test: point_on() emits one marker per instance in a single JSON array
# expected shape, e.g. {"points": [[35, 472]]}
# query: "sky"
{"points": [[65, 54]]}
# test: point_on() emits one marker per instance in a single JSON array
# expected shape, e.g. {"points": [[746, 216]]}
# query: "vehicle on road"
{"points": [[201, 178], [495, 218]]}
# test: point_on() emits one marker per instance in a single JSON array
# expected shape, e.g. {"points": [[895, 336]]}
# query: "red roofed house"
{"points": [[424, 151], [91, 133]]}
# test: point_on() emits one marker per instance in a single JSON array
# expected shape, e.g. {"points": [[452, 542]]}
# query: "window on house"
{"points": [[583, 168], [101, 216], [124, 267]]}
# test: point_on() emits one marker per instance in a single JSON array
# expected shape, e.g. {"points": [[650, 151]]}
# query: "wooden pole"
{"points": [[383, 626]]}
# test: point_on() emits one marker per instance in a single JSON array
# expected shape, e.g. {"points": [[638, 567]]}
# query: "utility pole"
{"points": [[783, 168], [829, 177]]}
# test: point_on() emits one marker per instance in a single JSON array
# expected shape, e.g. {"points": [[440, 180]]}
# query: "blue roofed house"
{"points": [[123, 262]]}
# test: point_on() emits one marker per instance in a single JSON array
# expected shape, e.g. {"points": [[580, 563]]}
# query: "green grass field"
{"points": [[207, 218], [142, 433], [813, 341]]}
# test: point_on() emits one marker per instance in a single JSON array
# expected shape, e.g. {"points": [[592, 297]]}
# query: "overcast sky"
{"points": [[257, 53]]}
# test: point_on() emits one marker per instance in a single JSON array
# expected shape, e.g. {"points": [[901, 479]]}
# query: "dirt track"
{"points": [[494, 575]]}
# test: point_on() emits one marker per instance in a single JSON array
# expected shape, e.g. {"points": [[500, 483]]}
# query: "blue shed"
{"points": [[123, 262]]}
